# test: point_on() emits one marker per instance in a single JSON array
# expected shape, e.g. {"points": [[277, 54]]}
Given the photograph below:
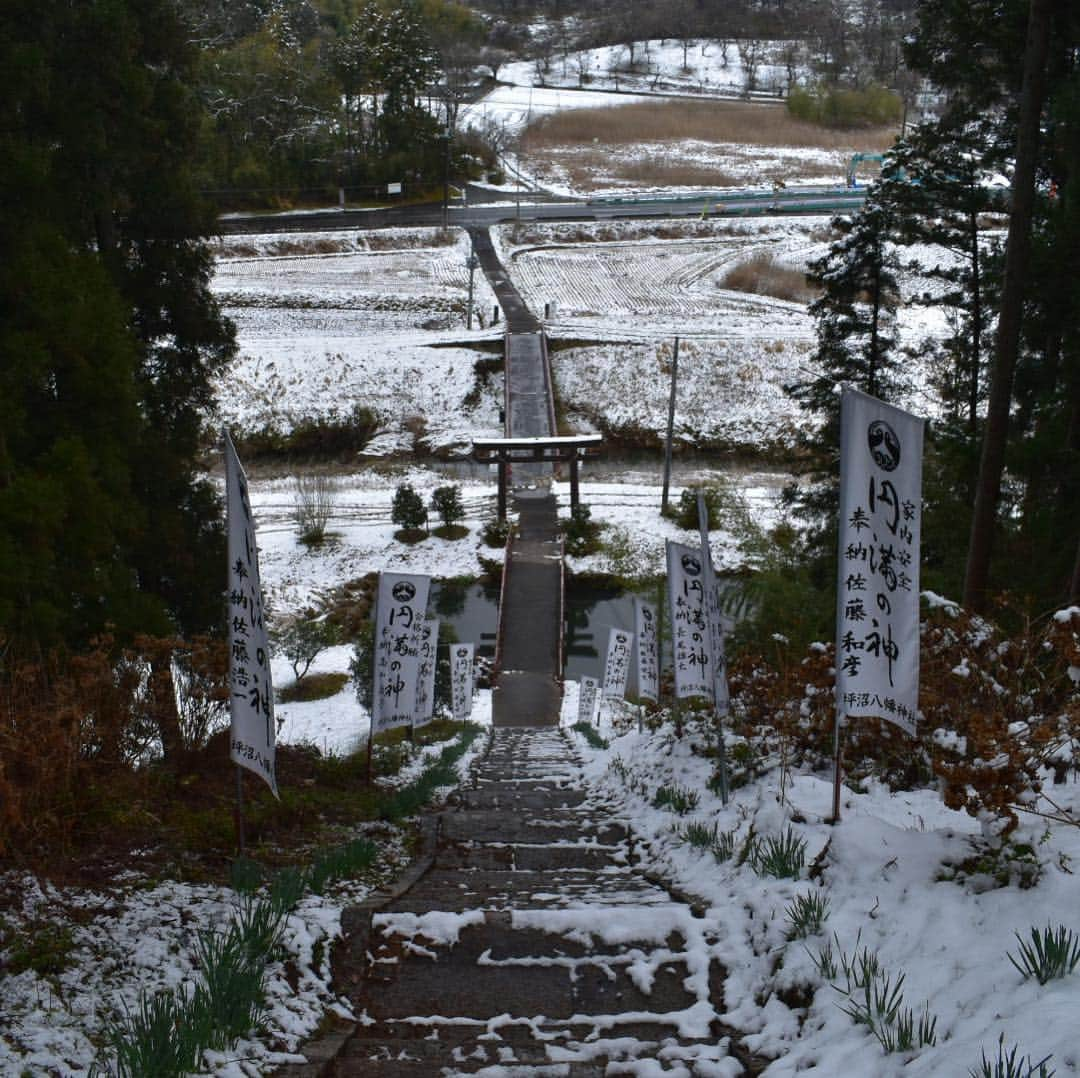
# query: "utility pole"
{"points": [[472, 262], [670, 427], [446, 180]]}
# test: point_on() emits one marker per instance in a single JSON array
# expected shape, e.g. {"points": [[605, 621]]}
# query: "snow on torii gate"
{"points": [[507, 451]]}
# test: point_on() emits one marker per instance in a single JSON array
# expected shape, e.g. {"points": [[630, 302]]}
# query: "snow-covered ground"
{"points": [[889, 874]]}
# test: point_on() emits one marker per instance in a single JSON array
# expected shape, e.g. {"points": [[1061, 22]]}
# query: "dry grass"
{"points": [[764, 276], [704, 121]]}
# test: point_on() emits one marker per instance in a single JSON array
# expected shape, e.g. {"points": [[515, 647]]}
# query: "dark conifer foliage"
{"points": [[110, 336]]}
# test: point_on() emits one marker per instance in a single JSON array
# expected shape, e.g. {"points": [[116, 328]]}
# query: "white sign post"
{"points": [[648, 659], [462, 680], [427, 649], [712, 604], [617, 663], [399, 614], [877, 594], [587, 699], [691, 637], [251, 691]]}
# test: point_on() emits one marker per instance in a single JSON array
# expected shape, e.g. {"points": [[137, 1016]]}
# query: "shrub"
{"points": [[496, 532], [1050, 954], [302, 640], [446, 501], [408, 509], [581, 532], [832, 106], [312, 507], [313, 687]]}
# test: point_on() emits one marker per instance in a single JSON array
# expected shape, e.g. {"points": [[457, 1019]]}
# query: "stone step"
{"points": [[456, 890], [482, 825]]}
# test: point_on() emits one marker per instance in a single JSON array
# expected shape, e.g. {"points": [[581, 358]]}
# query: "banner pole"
{"points": [[722, 750], [836, 769], [239, 813]]}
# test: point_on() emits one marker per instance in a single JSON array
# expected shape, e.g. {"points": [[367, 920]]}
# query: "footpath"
{"points": [[530, 947]]}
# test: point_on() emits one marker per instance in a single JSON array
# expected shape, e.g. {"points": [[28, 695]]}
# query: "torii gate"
{"points": [[505, 451]]}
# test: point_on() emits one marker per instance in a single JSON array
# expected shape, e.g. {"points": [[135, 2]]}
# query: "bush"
{"points": [[446, 501], [831, 106], [680, 799], [496, 532], [409, 511], [782, 856], [327, 437], [313, 504], [806, 914], [581, 532], [302, 640]]}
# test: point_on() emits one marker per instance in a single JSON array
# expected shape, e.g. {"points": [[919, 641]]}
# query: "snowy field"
{"points": [[343, 325]]}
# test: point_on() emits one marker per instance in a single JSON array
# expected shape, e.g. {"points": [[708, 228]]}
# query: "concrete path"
{"points": [[531, 948], [527, 689]]}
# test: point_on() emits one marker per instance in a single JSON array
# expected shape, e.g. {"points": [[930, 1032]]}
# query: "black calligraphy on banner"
{"points": [[691, 636], [462, 680], [877, 610], [251, 690], [712, 610], [426, 652], [400, 610], [587, 699], [648, 659], [617, 663]]}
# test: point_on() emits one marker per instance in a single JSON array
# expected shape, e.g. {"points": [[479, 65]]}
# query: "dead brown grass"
{"points": [[705, 121], [764, 276]]}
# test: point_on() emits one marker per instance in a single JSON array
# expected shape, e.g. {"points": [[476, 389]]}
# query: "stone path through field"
{"points": [[531, 948]]}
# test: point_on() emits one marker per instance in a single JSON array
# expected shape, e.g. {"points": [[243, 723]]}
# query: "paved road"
{"points": [[531, 947], [504, 208]]}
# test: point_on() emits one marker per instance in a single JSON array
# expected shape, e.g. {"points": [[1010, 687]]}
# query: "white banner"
{"points": [[877, 608], [691, 644], [712, 604], [648, 660], [587, 699], [426, 649], [617, 664], [399, 612], [462, 680], [251, 691]]}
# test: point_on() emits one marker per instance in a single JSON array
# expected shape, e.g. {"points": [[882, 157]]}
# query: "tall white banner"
{"points": [[712, 604], [691, 643], [426, 651], [462, 680], [648, 659], [399, 613], [251, 691], [617, 663], [877, 608], [587, 699]]}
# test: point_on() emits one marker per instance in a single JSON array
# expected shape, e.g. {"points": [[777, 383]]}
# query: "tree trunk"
{"points": [[976, 326], [1007, 343]]}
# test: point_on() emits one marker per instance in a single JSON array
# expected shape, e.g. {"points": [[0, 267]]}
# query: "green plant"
{"points": [[301, 640], [313, 687], [824, 961], [680, 799], [229, 1000], [1006, 1065], [408, 509], [286, 888], [782, 856], [340, 862], [1049, 955], [806, 914], [495, 532], [44, 950], [581, 532], [881, 1009], [162, 1039], [590, 735], [446, 501], [245, 875]]}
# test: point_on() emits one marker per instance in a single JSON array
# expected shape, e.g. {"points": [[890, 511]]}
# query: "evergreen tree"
{"points": [[111, 335], [855, 318]]}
